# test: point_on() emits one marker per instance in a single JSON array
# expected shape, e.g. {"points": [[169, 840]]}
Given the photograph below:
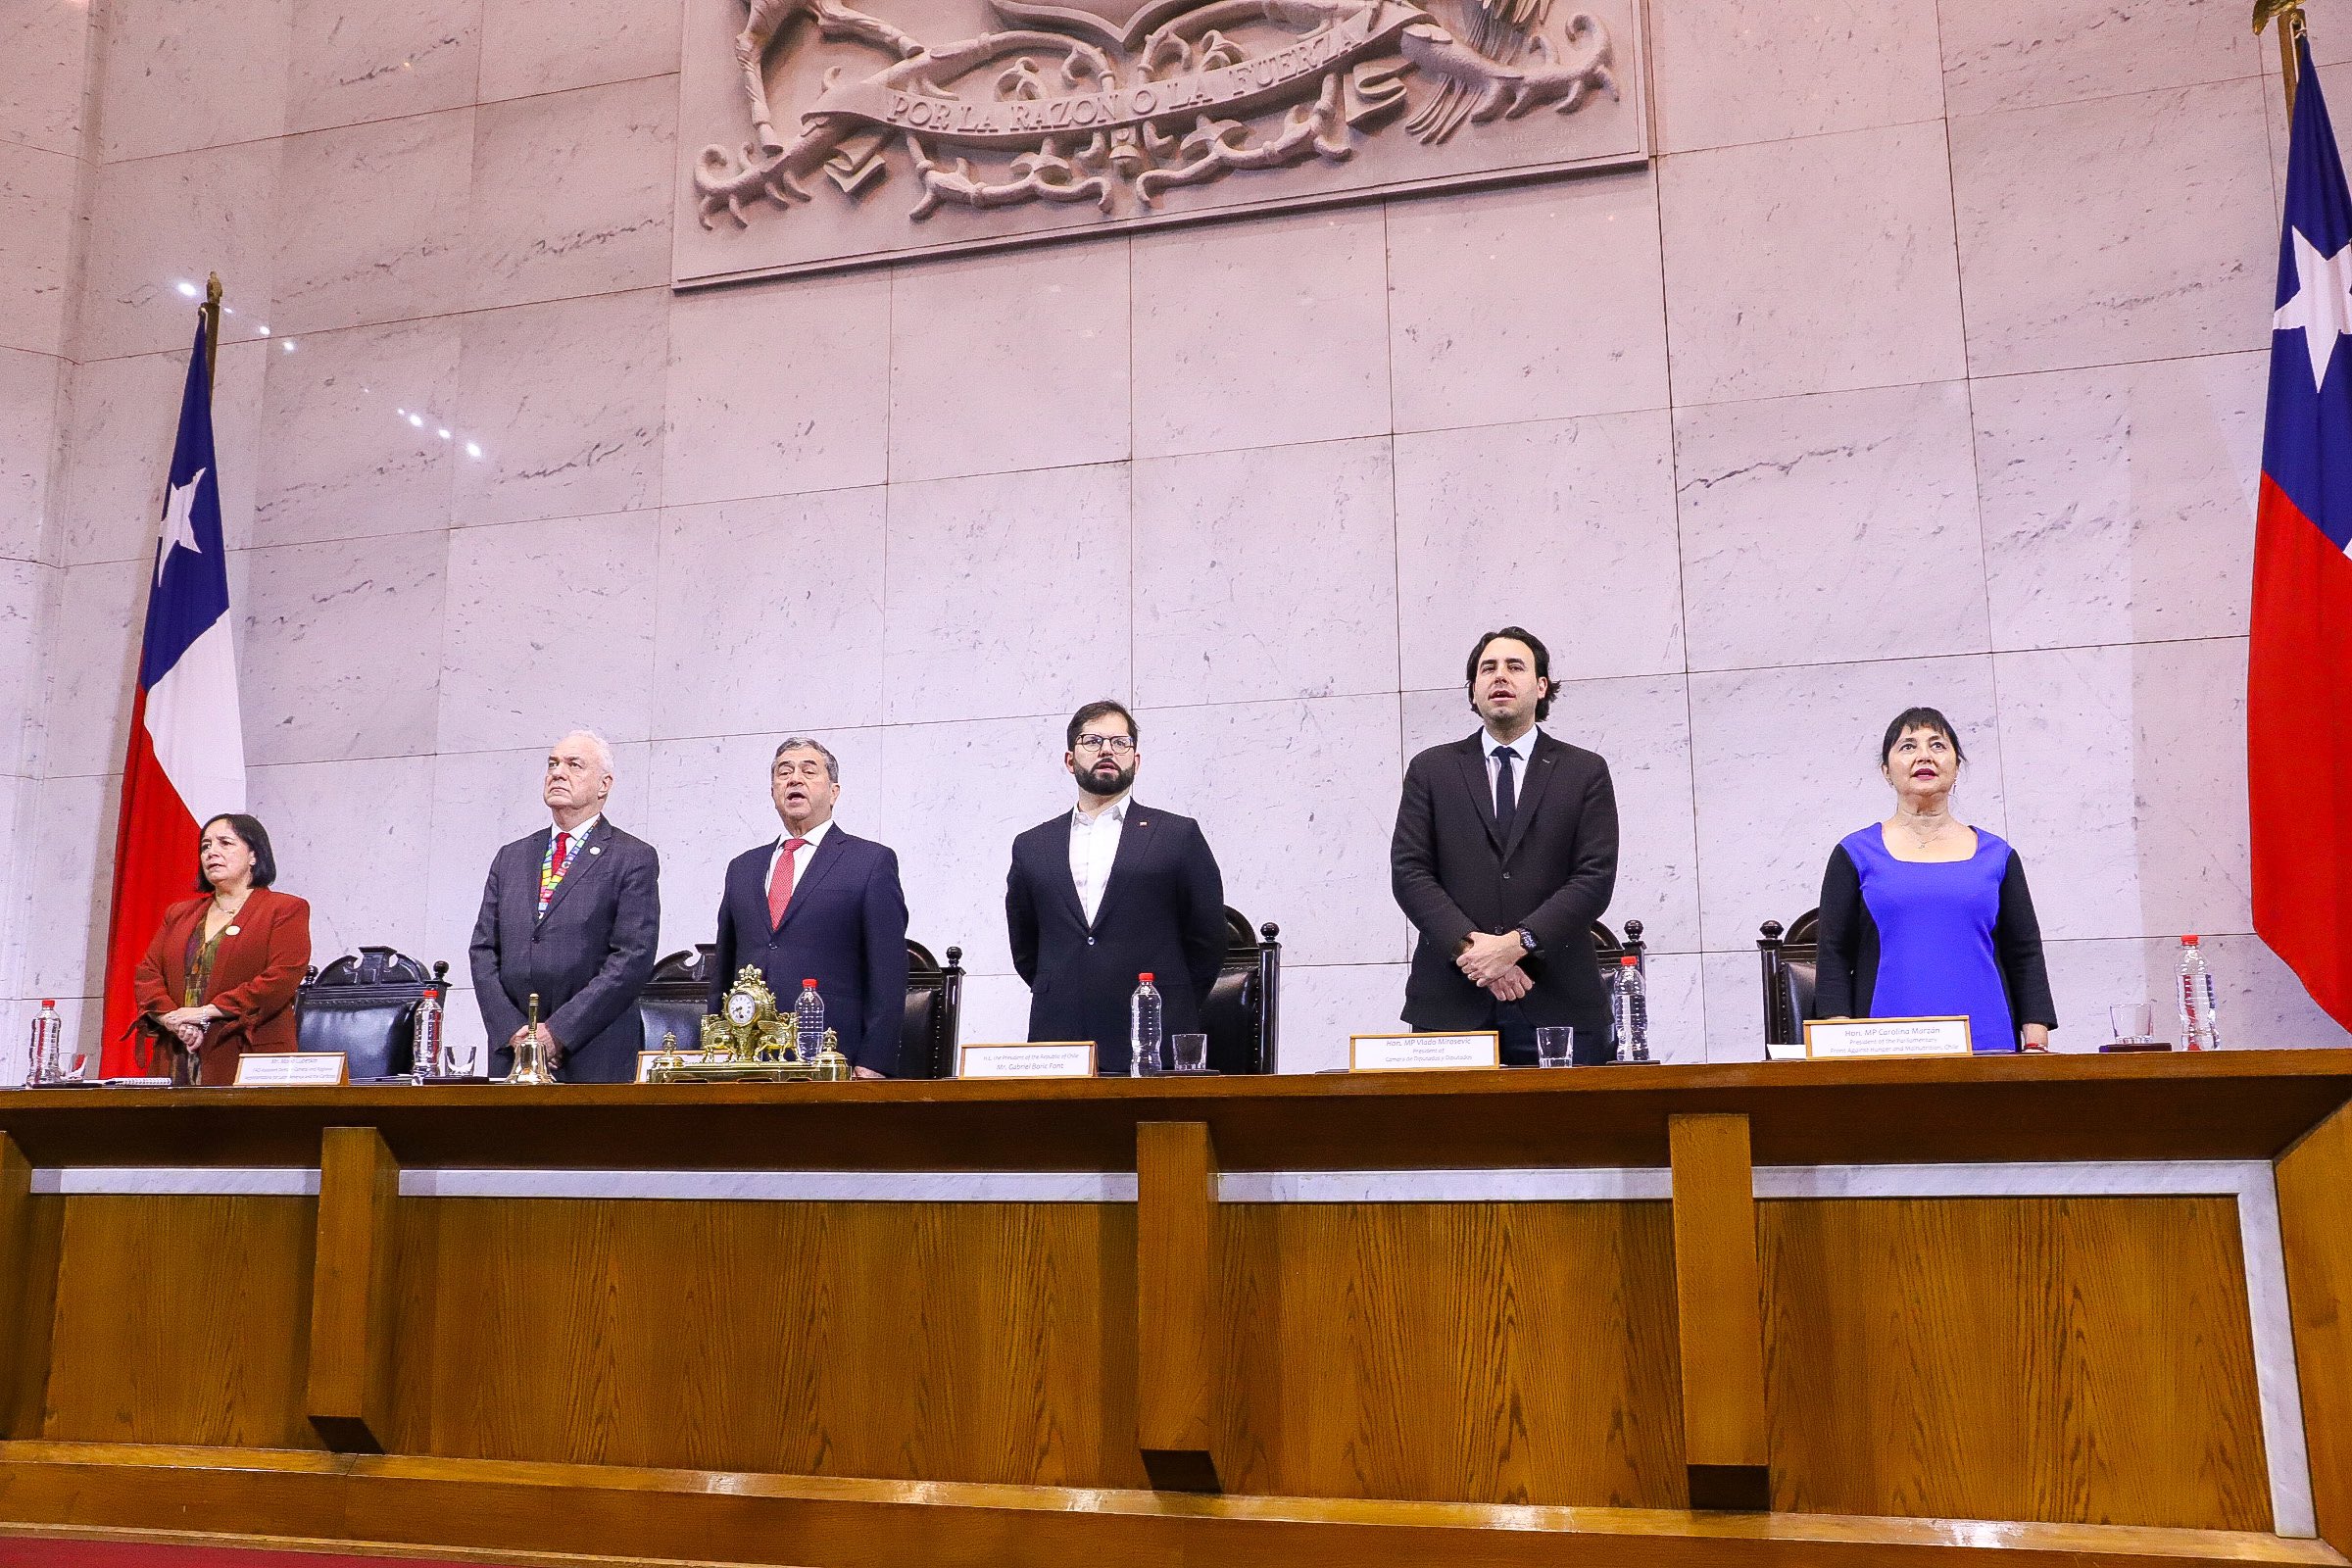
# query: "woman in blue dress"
{"points": [[1925, 917]]}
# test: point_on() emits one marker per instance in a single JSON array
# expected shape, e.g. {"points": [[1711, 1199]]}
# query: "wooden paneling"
{"points": [[26, 1336], [182, 1321], [1177, 1342], [349, 1397], [604, 1514], [2225, 1104], [2067, 1359], [1719, 1313], [975, 1342], [28, 1292], [1505, 1352], [2314, 1226]]}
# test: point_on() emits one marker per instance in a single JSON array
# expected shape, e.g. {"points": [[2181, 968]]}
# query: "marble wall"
{"points": [[1925, 366]]}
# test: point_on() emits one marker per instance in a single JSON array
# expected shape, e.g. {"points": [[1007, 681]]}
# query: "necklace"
{"points": [[1910, 825]]}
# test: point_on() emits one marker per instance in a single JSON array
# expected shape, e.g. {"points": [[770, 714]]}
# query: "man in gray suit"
{"points": [[572, 913]]}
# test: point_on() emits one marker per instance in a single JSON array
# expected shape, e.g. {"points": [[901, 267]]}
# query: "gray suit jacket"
{"points": [[587, 957]]}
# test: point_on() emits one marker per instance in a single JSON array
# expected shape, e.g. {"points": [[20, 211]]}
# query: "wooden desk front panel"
{"points": [[1473, 1352], [2066, 1359], [899, 1341], [181, 1320]]}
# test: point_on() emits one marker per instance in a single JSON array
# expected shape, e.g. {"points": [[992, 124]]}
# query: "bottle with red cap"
{"points": [[2200, 1029], [809, 1020], [44, 1064], [1146, 1026]]}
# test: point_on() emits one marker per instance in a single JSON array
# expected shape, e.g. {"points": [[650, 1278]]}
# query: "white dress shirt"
{"points": [[800, 857], [1094, 846], [1523, 751]]}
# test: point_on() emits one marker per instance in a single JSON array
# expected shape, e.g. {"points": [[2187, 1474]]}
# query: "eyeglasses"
{"points": [[1121, 744]]}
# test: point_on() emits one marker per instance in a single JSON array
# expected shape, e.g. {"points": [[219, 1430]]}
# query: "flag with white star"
{"points": [[186, 760], [2299, 672]]}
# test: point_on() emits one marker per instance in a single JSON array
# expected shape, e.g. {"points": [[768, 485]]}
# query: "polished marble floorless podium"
{"points": [[2061, 1309]]}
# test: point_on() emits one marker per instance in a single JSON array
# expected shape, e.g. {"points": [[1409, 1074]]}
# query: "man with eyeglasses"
{"points": [[1109, 891]]}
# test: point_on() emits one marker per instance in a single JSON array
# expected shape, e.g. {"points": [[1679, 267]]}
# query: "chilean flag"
{"points": [[186, 759], [2299, 681]]}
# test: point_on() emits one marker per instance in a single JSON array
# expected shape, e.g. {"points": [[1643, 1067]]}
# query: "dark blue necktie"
{"points": [[1506, 799]]}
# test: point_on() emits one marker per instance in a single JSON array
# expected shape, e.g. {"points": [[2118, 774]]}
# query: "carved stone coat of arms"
{"points": [[827, 133]]}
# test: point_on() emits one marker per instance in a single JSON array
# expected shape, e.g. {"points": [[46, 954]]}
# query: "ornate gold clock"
{"points": [[748, 1041]]}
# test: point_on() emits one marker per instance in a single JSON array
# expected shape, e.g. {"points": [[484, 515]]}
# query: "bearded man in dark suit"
{"points": [[1110, 891], [1504, 855]]}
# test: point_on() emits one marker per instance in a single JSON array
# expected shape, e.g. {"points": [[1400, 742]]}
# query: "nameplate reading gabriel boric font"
{"points": [[1418, 1052], [1888, 1037], [1037, 1058], [819, 134], [292, 1069]]}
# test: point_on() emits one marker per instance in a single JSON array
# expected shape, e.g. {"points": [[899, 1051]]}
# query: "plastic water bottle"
{"points": [[1144, 1027], [2200, 1027], [43, 1063], [809, 1020], [1629, 1001], [425, 1052]]}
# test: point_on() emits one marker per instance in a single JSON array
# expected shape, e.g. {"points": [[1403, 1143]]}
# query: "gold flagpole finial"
{"points": [[2288, 14], [210, 311]]}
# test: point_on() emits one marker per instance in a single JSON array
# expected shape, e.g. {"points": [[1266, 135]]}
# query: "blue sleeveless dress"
{"points": [[1935, 921]]}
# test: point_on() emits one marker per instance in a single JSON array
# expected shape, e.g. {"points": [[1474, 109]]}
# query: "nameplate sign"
{"points": [[1887, 1037], [1422, 1053], [647, 1058], [293, 1069], [1035, 1058]]}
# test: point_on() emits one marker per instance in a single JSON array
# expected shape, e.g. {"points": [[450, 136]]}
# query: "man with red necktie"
{"points": [[570, 913], [818, 903]]}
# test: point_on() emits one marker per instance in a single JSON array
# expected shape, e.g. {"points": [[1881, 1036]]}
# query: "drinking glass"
{"points": [[1555, 1046], [461, 1052], [1192, 1053], [2134, 1021]]}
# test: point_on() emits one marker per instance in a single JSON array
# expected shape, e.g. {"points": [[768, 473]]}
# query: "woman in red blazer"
{"points": [[219, 979]]}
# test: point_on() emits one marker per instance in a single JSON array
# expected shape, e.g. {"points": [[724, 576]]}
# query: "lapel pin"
{"points": [[596, 849], [230, 932]]}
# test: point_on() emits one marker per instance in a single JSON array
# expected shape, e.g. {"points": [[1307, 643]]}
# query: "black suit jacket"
{"points": [[1162, 913], [587, 957], [844, 928], [1453, 875]]}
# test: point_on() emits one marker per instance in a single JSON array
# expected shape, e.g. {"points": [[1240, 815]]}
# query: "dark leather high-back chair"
{"points": [[674, 1001], [934, 1013], [365, 1005], [1792, 964], [1244, 1016]]}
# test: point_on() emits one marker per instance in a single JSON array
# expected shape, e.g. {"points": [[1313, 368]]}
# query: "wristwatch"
{"points": [[1527, 939]]}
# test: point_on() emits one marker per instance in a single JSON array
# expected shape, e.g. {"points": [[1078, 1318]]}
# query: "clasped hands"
{"points": [[551, 1049], [1492, 964], [188, 1023]]}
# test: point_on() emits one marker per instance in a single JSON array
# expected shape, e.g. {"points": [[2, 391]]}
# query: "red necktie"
{"points": [[779, 883], [563, 854]]}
